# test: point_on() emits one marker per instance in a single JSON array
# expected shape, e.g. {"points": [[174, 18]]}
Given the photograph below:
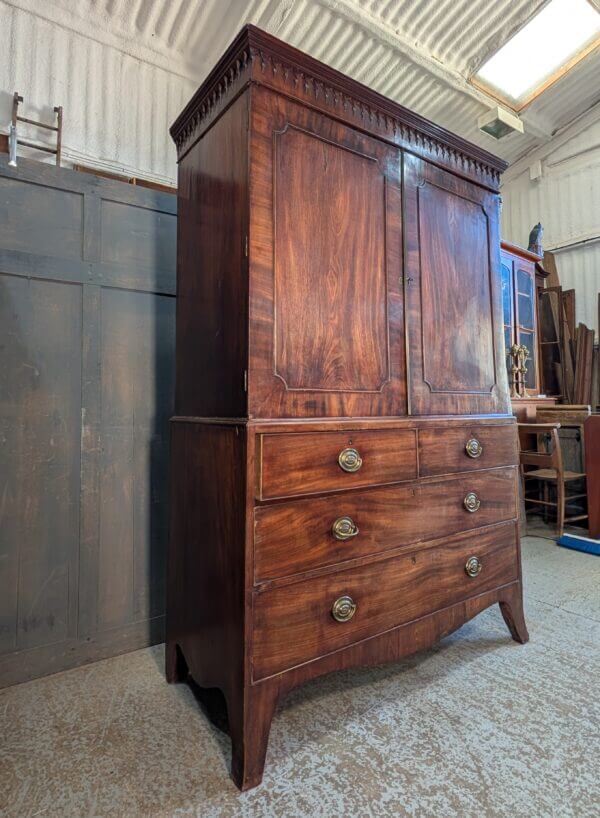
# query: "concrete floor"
{"points": [[479, 726]]}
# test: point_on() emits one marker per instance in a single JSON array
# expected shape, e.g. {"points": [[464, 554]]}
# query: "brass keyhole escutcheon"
{"points": [[473, 567], [343, 609], [471, 502], [350, 460], [474, 448], [344, 528]]}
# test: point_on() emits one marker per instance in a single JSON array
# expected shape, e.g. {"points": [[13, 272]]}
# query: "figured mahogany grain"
{"points": [[442, 451], [293, 624], [326, 309], [297, 536], [296, 464], [454, 317], [330, 268]]}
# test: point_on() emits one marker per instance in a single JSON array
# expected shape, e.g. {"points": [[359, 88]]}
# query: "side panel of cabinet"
{"points": [[453, 294], [326, 306], [212, 281]]}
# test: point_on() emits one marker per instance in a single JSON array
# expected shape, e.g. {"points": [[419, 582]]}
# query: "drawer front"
{"points": [[304, 534], [464, 448], [295, 464], [294, 623]]}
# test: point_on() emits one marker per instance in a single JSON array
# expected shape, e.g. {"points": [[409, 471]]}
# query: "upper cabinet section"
{"points": [[326, 322], [338, 255], [453, 299]]}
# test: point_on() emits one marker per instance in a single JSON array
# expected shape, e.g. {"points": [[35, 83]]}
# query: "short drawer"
{"points": [[295, 623], [464, 448], [310, 463], [304, 534]]}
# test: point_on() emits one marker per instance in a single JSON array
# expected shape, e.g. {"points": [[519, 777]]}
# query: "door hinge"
{"points": [[246, 246], [245, 380]]}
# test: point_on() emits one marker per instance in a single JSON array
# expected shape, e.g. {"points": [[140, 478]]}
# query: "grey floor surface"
{"points": [[479, 726]]}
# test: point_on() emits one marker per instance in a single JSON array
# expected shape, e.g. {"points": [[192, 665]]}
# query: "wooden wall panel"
{"points": [[133, 235], [40, 219], [87, 320], [40, 384], [137, 330]]}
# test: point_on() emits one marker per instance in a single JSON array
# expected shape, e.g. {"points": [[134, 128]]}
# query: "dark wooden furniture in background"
{"points": [[592, 468], [87, 332], [340, 380], [539, 446], [525, 409], [519, 308], [522, 281]]}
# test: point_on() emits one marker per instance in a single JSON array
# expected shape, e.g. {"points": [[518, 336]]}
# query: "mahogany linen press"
{"points": [[343, 456]]}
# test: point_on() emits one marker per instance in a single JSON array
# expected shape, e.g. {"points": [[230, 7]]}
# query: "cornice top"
{"points": [[255, 56]]}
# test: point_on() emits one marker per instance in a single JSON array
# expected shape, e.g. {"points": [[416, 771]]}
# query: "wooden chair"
{"points": [[540, 448]]}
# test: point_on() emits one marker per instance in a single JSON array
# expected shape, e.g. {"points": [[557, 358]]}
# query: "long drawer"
{"points": [[294, 623], [310, 463], [304, 534], [465, 448]]}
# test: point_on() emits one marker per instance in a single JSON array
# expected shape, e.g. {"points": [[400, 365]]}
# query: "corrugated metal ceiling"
{"points": [[418, 52]]}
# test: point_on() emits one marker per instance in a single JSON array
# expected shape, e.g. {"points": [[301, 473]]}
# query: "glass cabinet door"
{"points": [[525, 313]]}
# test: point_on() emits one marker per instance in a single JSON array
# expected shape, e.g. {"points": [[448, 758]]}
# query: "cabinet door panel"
{"points": [[329, 230], [453, 297], [326, 307]]}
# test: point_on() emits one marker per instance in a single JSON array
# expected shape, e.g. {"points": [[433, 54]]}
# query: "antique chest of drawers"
{"points": [[343, 458]]}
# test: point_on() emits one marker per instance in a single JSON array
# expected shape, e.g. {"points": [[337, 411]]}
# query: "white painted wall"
{"points": [[566, 199], [118, 104]]}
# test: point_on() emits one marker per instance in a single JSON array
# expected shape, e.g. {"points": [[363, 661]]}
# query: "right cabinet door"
{"points": [[452, 294]]}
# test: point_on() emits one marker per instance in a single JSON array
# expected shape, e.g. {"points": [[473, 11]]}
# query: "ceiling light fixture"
{"points": [[498, 122]]}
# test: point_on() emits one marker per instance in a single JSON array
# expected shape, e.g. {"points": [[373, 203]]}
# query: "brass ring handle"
{"points": [[343, 609], [471, 502], [344, 528], [474, 448], [350, 460], [473, 567]]}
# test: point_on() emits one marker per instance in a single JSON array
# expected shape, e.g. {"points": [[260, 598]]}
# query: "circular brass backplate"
{"points": [[350, 460], [473, 567], [474, 448], [472, 502], [344, 528], [343, 609]]}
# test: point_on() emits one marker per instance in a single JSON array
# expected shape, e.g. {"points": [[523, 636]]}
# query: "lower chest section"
{"points": [[373, 530]]}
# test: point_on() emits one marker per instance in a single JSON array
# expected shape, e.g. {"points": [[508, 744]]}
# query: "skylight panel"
{"points": [[563, 32]]}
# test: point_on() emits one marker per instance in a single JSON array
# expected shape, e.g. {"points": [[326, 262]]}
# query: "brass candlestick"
{"points": [[523, 357], [520, 355], [514, 370]]}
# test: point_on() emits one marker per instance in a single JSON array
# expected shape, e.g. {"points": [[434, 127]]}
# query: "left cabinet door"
{"points": [[326, 334]]}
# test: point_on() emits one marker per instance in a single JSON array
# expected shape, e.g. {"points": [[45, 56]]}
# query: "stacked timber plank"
{"points": [[569, 361]]}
